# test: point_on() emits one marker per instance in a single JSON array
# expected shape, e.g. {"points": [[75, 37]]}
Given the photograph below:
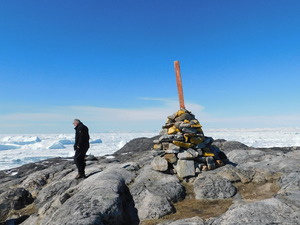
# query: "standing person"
{"points": [[81, 146]]}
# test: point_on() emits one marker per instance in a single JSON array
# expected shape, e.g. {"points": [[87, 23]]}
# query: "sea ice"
{"points": [[37, 146]]}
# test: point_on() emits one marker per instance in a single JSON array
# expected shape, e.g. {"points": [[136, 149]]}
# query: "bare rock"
{"points": [[290, 189], [105, 199], [210, 186], [13, 199], [150, 183], [185, 168], [228, 146], [235, 174], [159, 164], [268, 211], [188, 154], [154, 206], [171, 158]]}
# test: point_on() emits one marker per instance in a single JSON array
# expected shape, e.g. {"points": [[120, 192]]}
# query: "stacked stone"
{"points": [[183, 148]]}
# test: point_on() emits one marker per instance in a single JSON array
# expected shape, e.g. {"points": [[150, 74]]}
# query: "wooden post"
{"points": [[179, 84]]}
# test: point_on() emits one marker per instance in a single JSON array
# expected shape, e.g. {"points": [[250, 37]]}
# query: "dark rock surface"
{"points": [[228, 146], [127, 191], [135, 148]]}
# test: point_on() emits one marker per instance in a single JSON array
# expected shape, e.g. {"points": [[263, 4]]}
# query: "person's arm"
{"points": [[80, 138]]}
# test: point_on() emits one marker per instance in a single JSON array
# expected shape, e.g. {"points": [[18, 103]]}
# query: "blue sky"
{"points": [[110, 63]]}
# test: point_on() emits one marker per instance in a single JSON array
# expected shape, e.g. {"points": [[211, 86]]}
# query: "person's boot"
{"points": [[79, 176]]}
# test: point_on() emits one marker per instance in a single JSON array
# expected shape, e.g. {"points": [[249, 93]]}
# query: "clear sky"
{"points": [[110, 63]]}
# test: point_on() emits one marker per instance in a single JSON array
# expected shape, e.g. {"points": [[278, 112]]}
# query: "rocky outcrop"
{"points": [[262, 186], [102, 199], [268, 211], [155, 192], [14, 199]]}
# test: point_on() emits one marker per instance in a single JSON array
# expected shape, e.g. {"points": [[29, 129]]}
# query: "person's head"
{"points": [[76, 122]]}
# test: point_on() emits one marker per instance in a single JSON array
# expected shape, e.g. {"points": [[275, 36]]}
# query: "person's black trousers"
{"points": [[79, 160]]}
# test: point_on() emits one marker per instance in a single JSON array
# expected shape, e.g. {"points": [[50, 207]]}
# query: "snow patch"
{"points": [[121, 144]]}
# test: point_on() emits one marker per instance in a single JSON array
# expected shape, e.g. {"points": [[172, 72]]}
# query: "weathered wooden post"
{"points": [[179, 84]]}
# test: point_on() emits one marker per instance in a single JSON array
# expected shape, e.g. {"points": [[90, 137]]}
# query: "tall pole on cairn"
{"points": [[179, 84]]}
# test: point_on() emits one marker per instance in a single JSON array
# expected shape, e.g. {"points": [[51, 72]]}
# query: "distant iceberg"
{"points": [[96, 141], [7, 147], [56, 145], [21, 140], [67, 142]]}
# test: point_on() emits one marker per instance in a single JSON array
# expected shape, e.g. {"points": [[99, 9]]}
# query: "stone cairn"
{"points": [[183, 149]]}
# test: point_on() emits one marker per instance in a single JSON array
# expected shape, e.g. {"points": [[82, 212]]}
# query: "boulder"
{"points": [[185, 168], [105, 199], [159, 164], [13, 199], [154, 206], [268, 211], [234, 174], [290, 189], [150, 183], [211, 186]]}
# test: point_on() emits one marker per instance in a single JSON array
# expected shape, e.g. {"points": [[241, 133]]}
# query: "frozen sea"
{"points": [[16, 150]]}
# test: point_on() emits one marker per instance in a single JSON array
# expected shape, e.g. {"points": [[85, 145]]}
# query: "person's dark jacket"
{"points": [[82, 137]]}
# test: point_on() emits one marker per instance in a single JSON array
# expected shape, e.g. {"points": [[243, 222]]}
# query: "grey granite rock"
{"points": [[228, 146], [211, 186], [13, 199], [185, 168], [290, 189], [188, 154], [154, 206], [268, 211], [159, 164], [150, 183], [105, 199]]}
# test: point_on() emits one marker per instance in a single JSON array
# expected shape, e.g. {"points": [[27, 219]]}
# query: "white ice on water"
{"points": [[16, 150]]}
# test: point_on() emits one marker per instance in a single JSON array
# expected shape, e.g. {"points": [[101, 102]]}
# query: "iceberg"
{"points": [[56, 145], [66, 142], [96, 141], [7, 147], [21, 140]]}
